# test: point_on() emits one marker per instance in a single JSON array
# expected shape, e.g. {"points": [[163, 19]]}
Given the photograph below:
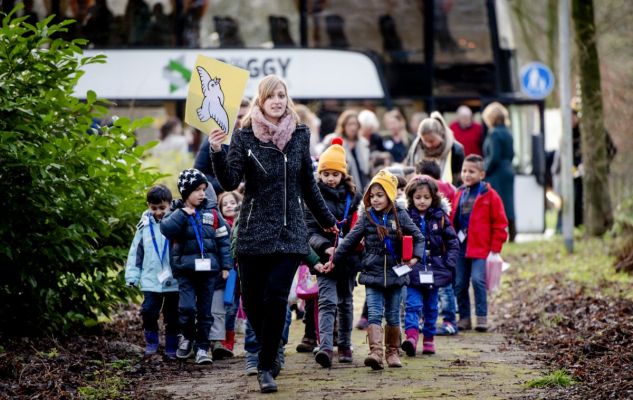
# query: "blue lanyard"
{"points": [[348, 203], [388, 243], [161, 257], [197, 228], [462, 221], [423, 230]]}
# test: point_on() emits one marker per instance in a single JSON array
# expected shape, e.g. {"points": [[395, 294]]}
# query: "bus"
{"points": [[418, 55]]}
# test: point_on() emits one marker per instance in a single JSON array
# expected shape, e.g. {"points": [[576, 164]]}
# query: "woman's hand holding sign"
{"points": [[216, 137]]}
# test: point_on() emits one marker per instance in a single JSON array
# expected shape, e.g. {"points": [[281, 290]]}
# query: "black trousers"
{"points": [[153, 303], [266, 281]]}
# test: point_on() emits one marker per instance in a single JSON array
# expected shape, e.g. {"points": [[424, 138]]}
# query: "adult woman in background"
{"points": [[435, 142], [498, 155]]}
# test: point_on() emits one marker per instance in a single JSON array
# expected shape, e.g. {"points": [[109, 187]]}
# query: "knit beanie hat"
{"points": [[189, 180], [389, 183], [334, 157]]}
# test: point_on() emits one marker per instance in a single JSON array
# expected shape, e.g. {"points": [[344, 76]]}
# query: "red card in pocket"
{"points": [[407, 248]]}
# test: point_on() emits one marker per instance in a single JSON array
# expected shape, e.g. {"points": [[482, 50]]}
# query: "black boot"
{"points": [[512, 230], [266, 381]]}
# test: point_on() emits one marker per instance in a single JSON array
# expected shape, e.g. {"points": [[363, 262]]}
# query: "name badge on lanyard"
{"points": [[165, 273], [202, 264]]}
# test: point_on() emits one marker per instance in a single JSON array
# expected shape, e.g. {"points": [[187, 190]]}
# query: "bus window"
{"points": [[393, 29], [462, 33], [244, 23]]}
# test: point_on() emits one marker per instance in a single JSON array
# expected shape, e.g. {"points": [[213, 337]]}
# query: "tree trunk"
{"points": [[597, 208]]}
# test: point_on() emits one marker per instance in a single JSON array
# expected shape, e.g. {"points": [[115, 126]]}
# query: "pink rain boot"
{"points": [[428, 347], [410, 345]]}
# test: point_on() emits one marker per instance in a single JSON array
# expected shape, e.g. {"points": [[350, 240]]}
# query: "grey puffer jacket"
{"points": [[377, 261], [184, 249], [277, 184]]}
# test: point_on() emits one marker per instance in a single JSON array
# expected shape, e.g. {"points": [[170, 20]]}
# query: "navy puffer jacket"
{"points": [[336, 200], [377, 261], [184, 249], [442, 247]]}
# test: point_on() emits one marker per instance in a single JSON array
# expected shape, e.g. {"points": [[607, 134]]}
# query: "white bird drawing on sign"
{"points": [[213, 102]]}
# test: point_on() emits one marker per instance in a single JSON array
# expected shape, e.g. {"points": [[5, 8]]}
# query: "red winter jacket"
{"points": [[487, 224]]}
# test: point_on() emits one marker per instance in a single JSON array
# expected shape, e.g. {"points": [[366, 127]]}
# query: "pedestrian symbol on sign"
{"points": [[537, 80]]}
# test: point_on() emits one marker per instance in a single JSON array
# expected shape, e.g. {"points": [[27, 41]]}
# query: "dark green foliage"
{"points": [[70, 198]]}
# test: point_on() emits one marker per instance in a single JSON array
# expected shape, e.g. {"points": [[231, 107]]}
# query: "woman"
{"points": [[272, 154], [398, 141], [435, 142], [356, 146], [498, 155]]}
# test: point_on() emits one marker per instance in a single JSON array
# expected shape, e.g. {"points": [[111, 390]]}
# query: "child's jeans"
{"points": [[153, 302], [252, 347], [218, 330], [383, 302], [421, 300], [335, 294], [447, 300], [471, 269], [194, 306]]}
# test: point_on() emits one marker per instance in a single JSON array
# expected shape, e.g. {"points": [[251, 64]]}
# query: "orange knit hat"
{"points": [[333, 158]]}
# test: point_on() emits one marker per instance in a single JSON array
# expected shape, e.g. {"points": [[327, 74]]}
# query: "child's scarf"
{"points": [[266, 131]]}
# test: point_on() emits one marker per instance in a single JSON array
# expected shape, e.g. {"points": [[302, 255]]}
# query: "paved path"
{"points": [[471, 365]]}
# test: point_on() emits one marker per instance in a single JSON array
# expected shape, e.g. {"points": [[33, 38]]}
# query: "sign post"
{"points": [[566, 152]]}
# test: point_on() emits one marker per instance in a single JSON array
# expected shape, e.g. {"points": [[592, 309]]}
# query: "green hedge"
{"points": [[70, 196]]}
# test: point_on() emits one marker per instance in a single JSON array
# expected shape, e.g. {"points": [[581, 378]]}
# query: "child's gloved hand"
{"points": [[225, 274]]}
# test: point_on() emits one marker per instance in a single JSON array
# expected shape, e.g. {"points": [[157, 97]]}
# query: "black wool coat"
{"points": [[277, 184]]}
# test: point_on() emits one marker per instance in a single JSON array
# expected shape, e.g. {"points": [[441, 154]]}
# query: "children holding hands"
{"points": [[335, 284], [383, 226]]}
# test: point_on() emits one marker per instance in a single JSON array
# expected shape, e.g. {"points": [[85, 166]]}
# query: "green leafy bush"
{"points": [[70, 196]]}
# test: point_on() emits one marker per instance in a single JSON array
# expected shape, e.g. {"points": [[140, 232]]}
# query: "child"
{"points": [[437, 266], [200, 248], [335, 286], [382, 225], [447, 292], [222, 333], [229, 204], [480, 222], [148, 267]]}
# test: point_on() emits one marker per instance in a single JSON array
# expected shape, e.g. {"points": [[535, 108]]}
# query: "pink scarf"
{"points": [[266, 131]]}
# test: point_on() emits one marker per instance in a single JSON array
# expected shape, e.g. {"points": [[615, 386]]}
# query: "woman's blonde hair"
{"points": [[495, 114], [435, 125], [342, 121], [265, 89]]}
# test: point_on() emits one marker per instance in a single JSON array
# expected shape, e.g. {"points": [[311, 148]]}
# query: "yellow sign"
{"points": [[215, 93]]}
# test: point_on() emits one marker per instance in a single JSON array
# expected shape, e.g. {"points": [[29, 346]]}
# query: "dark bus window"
{"points": [[464, 62], [391, 29], [246, 23]]}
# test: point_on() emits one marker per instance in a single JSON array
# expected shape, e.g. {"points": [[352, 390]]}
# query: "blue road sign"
{"points": [[537, 80]]}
